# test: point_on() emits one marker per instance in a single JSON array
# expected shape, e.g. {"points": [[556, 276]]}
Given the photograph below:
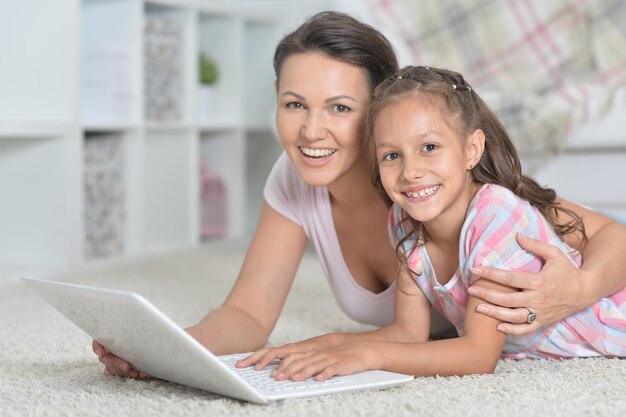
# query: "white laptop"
{"points": [[134, 329]]}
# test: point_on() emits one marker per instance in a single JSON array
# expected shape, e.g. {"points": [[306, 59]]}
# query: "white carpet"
{"points": [[47, 367]]}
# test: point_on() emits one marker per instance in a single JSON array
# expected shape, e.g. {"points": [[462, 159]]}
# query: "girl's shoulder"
{"points": [[494, 200], [399, 224], [495, 195], [498, 210]]}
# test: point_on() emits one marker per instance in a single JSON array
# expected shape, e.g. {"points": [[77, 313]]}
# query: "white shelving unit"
{"points": [[74, 71]]}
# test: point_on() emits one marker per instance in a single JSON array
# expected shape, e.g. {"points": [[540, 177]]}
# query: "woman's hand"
{"points": [[553, 293], [342, 359], [265, 356], [114, 365]]}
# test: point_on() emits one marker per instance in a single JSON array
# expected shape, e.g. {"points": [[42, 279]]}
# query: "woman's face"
{"points": [[321, 108]]}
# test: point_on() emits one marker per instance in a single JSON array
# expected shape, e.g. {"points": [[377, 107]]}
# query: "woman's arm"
{"points": [[559, 289], [249, 313]]}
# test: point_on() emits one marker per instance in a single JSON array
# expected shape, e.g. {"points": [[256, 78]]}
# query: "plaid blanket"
{"points": [[545, 66]]}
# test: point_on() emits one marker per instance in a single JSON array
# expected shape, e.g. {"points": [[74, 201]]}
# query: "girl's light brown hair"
{"points": [[465, 112]]}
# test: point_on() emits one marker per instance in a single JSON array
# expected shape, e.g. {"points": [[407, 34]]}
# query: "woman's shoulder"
{"points": [[287, 192], [284, 178]]}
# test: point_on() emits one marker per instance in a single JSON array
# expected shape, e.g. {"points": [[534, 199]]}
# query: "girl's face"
{"points": [[320, 113], [424, 164]]}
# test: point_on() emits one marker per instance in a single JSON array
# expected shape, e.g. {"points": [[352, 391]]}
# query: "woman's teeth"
{"points": [[423, 192], [317, 153]]}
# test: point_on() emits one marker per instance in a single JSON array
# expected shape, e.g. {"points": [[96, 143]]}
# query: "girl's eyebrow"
{"points": [[328, 100], [383, 145], [429, 134]]}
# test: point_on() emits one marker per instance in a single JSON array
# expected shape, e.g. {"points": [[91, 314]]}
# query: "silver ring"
{"points": [[531, 315]]}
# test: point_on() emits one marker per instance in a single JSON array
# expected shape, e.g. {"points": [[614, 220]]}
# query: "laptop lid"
{"points": [[134, 329]]}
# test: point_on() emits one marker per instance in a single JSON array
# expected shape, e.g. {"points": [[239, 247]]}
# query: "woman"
{"points": [[320, 191]]}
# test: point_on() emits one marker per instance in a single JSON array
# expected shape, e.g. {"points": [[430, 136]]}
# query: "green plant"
{"points": [[209, 72]]}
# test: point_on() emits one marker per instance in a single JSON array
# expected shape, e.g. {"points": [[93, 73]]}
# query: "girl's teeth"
{"points": [[423, 192], [317, 153]]}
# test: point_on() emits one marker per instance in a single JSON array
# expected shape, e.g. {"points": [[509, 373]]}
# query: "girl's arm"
{"points": [[559, 289], [411, 324], [249, 313], [476, 352]]}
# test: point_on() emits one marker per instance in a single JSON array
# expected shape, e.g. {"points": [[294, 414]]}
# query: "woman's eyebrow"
{"points": [[291, 93]]}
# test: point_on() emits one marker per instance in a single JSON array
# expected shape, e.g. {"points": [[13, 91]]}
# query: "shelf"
{"points": [[100, 153], [36, 129], [263, 149], [38, 78], [260, 98], [170, 194], [110, 127], [110, 59], [219, 37], [167, 63], [104, 190], [218, 150], [39, 208]]}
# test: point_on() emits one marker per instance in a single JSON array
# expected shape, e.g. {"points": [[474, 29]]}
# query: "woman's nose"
{"points": [[314, 127]]}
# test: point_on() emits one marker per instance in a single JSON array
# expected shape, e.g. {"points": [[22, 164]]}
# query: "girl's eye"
{"points": [[429, 147], [390, 156], [294, 105], [340, 108]]}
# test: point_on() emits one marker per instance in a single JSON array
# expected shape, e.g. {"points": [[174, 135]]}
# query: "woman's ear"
{"points": [[475, 146]]}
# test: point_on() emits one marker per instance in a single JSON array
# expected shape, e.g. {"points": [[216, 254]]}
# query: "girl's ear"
{"points": [[475, 146]]}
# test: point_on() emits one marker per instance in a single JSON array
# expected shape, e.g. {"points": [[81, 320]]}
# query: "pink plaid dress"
{"points": [[487, 238]]}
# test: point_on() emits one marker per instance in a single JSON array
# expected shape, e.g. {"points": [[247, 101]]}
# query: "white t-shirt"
{"points": [[309, 207]]}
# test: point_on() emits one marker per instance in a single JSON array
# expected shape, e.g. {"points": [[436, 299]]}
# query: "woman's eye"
{"points": [[340, 108], [390, 156], [429, 147], [294, 105]]}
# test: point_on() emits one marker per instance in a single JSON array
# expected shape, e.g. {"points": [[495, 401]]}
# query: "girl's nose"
{"points": [[314, 127], [412, 168]]}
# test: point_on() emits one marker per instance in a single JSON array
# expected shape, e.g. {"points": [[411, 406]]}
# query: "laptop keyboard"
{"points": [[263, 380]]}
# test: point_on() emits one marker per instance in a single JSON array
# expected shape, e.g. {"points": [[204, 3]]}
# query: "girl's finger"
{"points": [[303, 368], [288, 360], [251, 359]]}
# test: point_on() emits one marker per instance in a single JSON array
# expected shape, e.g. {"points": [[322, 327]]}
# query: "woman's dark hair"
{"points": [[344, 38], [465, 112]]}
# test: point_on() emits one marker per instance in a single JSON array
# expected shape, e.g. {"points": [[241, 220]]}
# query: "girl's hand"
{"points": [[553, 293], [114, 365], [264, 356], [343, 359]]}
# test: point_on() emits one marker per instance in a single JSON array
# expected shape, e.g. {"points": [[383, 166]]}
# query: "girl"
{"points": [[460, 200], [320, 192]]}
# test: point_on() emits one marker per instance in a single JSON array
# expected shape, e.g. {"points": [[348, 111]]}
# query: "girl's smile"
{"points": [[421, 193]]}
